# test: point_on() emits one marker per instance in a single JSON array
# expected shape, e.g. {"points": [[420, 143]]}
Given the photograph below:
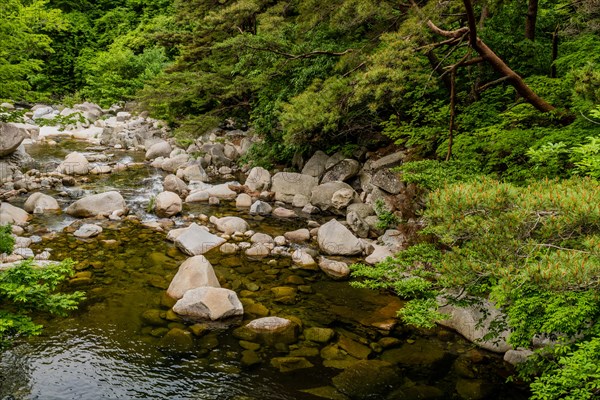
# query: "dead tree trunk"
{"points": [[532, 11], [507, 74]]}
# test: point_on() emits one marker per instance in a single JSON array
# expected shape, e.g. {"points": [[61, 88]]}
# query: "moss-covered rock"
{"points": [[367, 379], [288, 364]]}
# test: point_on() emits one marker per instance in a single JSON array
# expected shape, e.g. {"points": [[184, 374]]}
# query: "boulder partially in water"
{"points": [[209, 304], [273, 330], [195, 240], [167, 204], [74, 164], [10, 214], [335, 239], [39, 203], [195, 272], [97, 204]]}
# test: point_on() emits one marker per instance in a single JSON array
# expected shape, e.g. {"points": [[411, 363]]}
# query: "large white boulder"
{"points": [[97, 204], [230, 225], [288, 184], [259, 179], [195, 240], [39, 203], [209, 304], [195, 272], [167, 204], [74, 164], [11, 136], [159, 149], [335, 239], [10, 214]]}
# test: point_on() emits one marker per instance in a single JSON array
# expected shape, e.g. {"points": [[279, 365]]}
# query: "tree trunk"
{"points": [[496, 62], [532, 10]]}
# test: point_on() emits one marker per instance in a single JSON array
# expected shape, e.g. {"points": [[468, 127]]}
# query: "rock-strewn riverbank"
{"points": [[331, 207]]}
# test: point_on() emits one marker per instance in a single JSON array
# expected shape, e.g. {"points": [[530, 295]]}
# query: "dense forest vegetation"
{"points": [[499, 102]]}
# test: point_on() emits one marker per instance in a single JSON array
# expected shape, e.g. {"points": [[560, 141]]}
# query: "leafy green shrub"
{"points": [[386, 218], [533, 250], [7, 241], [27, 289]]}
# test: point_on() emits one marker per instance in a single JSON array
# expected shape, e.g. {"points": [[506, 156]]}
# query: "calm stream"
{"points": [[107, 350]]}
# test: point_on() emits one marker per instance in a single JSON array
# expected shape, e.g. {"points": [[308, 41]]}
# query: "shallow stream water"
{"points": [[108, 350]]}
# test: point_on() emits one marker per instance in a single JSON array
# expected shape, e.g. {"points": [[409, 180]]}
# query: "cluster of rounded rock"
{"points": [[112, 127]]}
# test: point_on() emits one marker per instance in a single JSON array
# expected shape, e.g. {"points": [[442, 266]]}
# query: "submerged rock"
{"points": [[88, 231], [367, 379], [288, 364], [334, 269], [193, 273]]}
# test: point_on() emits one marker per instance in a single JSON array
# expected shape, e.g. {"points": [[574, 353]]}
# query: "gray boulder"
{"points": [[342, 171], [74, 164], [288, 184], [230, 225], [194, 240], [260, 208], [259, 179], [176, 185], [195, 272], [357, 224], [322, 195], [209, 304], [194, 173], [97, 204], [10, 214], [388, 181], [335, 239], [473, 322], [11, 136], [40, 202], [315, 166], [159, 149], [388, 161], [167, 204]]}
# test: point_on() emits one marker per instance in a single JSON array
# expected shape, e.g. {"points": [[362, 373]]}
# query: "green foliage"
{"points": [[7, 241], [24, 40], [118, 73], [62, 121], [533, 250], [386, 218], [433, 174], [26, 290]]}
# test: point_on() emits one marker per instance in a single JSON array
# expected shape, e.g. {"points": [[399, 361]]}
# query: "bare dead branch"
{"points": [[492, 83]]}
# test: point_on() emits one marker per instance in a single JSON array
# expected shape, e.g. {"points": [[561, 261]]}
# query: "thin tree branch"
{"points": [[492, 83]]}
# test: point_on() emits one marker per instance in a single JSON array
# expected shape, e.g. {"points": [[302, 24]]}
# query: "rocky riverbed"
{"points": [[233, 278]]}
